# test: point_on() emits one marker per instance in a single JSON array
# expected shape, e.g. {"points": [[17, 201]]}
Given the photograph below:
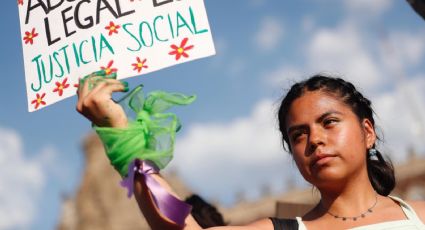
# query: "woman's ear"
{"points": [[369, 131]]}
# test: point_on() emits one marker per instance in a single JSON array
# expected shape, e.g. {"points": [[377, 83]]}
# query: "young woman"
{"points": [[329, 129]]}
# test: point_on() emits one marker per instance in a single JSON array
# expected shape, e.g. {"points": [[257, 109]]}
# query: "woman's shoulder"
{"points": [[419, 207]]}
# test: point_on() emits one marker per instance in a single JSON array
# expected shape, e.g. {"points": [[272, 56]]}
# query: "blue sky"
{"points": [[229, 134]]}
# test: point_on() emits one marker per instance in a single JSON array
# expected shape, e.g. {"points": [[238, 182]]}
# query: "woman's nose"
{"points": [[315, 139]]}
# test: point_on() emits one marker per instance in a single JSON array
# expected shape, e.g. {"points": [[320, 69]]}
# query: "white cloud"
{"points": [[283, 76], [233, 66], [269, 35], [368, 7], [401, 114], [222, 47], [220, 159], [22, 181], [236, 66], [308, 23], [349, 50], [342, 50], [402, 50]]}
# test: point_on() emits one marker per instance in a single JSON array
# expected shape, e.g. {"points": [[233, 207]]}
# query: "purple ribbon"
{"points": [[171, 207]]}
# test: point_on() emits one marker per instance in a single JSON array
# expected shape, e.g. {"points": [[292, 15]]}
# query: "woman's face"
{"points": [[327, 140]]}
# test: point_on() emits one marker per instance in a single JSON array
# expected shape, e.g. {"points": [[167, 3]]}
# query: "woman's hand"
{"points": [[95, 100]]}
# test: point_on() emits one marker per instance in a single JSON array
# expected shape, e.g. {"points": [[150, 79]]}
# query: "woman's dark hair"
{"points": [[380, 170]]}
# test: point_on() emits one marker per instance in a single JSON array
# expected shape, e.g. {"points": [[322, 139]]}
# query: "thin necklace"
{"points": [[354, 218]]}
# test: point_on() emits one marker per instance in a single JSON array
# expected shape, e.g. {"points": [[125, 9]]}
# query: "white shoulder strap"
{"points": [[301, 225], [407, 209]]}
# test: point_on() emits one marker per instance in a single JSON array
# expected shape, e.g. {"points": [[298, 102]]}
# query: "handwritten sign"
{"points": [[64, 40]]}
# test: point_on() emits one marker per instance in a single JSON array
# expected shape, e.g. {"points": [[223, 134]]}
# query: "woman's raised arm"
{"points": [[96, 104]]}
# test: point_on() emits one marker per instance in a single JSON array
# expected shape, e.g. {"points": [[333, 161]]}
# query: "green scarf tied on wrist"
{"points": [[150, 134]]}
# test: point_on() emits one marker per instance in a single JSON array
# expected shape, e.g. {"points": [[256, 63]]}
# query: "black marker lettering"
{"points": [[77, 18], [49, 5], [156, 3], [30, 8], [66, 20], [48, 35], [120, 14], [107, 6]]}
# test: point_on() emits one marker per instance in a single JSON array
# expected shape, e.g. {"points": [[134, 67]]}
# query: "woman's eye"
{"points": [[296, 136], [329, 122]]}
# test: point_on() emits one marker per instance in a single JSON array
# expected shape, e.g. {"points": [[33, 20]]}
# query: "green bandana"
{"points": [[150, 136]]}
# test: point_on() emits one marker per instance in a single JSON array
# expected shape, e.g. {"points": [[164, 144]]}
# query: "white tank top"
{"points": [[411, 223]]}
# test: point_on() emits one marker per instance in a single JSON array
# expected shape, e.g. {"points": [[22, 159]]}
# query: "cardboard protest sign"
{"points": [[64, 40]]}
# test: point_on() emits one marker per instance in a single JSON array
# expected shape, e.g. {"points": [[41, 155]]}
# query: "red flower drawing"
{"points": [[29, 36], [108, 69], [112, 28], [139, 65], [181, 50], [61, 86], [39, 100], [21, 2]]}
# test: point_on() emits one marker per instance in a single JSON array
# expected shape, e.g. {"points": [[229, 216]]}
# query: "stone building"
{"points": [[101, 204]]}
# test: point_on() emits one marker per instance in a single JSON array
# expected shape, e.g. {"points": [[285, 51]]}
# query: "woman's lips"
{"points": [[320, 160], [323, 161]]}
